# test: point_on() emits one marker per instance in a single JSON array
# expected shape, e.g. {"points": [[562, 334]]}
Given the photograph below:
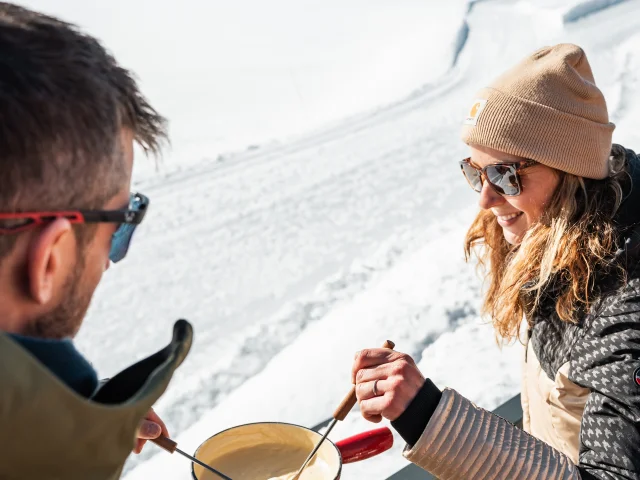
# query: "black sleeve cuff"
{"points": [[415, 418]]}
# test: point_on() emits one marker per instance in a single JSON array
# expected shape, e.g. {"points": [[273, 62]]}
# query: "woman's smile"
{"points": [[509, 219]]}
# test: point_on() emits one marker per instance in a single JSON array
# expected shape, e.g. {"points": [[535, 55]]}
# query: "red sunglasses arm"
{"points": [[36, 218], [27, 220], [74, 216]]}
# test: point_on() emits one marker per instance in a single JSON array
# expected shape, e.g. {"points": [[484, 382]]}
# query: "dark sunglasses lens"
{"points": [[504, 179], [473, 176], [120, 242], [122, 237], [138, 202]]}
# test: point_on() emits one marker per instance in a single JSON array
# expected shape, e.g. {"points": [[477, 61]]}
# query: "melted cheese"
{"points": [[269, 462]]}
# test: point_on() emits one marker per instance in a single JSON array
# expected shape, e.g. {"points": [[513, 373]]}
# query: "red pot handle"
{"points": [[365, 445]]}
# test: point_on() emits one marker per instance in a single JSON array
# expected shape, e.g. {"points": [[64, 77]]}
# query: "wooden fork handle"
{"points": [[166, 443]]}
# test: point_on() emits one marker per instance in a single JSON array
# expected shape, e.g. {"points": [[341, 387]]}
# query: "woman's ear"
{"points": [[49, 254]]}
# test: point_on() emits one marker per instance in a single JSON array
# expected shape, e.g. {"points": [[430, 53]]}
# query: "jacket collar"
{"points": [[628, 216], [64, 361], [629, 213]]}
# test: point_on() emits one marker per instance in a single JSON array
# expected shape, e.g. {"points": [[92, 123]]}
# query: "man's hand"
{"points": [[151, 427]]}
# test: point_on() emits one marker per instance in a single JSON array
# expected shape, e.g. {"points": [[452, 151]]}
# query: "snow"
{"points": [[432, 292], [586, 8], [234, 74], [311, 204]]}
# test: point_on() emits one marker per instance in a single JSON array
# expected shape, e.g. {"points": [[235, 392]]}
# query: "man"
{"points": [[69, 115]]}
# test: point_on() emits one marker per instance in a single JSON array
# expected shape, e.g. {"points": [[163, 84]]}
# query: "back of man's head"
{"points": [[64, 104]]}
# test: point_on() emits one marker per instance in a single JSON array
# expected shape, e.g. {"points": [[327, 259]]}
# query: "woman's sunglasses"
{"points": [[502, 177], [128, 219]]}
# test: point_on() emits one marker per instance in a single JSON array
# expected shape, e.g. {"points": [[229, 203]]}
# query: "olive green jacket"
{"points": [[47, 431]]}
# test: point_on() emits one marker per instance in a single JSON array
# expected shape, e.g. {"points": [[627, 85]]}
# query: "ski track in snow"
{"points": [[587, 8], [301, 252]]}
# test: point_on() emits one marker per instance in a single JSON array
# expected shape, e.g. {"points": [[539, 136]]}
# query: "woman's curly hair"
{"points": [[575, 239]]}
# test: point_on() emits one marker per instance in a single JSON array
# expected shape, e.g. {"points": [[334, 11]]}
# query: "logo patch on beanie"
{"points": [[475, 111]]}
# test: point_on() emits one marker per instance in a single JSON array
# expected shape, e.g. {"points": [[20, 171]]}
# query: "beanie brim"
{"points": [[559, 140]]}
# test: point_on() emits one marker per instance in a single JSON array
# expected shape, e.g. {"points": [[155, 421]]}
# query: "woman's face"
{"points": [[516, 214]]}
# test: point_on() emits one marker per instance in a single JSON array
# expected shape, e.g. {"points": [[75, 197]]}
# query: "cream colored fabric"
{"points": [[552, 408], [464, 442], [547, 108], [524, 395]]}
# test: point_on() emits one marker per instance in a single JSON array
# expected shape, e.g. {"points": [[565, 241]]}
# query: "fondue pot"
{"points": [[275, 449]]}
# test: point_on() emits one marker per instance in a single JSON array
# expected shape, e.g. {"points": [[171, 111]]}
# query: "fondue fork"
{"points": [[340, 413], [171, 446]]}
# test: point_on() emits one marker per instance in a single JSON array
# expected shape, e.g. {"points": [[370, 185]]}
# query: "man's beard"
{"points": [[65, 319]]}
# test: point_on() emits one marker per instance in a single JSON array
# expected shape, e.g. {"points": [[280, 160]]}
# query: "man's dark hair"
{"points": [[64, 102]]}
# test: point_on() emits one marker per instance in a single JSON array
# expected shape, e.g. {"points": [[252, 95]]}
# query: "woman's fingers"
{"points": [[373, 373], [390, 405], [381, 406], [365, 391], [397, 380], [372, 357], [372, 418], [395, 364]]}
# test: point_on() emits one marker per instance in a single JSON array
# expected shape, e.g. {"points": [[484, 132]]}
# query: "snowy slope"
{"points": [[290, 256], [430, 293], [379, 200], [240, 73], [246, 242]]}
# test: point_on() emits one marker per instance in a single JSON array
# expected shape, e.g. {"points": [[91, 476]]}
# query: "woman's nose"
{"points": [[489, 198]]}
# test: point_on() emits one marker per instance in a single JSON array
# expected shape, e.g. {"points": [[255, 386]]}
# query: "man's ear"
{"points": [[48, 253]]}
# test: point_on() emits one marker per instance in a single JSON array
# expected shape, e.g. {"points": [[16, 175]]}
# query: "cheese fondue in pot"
{"points": [[267, 451], [268, 462]]}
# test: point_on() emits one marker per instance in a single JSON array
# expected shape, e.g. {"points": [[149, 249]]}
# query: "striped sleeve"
{"points": [[463, 441]]}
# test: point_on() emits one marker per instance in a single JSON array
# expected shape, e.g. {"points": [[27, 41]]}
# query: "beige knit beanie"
{"points": [[547, 108]]}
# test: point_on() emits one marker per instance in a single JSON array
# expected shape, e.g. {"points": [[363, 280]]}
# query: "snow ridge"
{"points": [[587, 8]]}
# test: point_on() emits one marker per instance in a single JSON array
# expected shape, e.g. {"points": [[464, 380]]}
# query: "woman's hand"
{"points": [[396, 378]]}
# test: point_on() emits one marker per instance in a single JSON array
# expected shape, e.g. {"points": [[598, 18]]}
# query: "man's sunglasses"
{"points": [[127, 218], [502, 177]]}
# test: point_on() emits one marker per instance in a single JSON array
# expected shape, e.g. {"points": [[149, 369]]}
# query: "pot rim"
{"points": [[339, 473]]}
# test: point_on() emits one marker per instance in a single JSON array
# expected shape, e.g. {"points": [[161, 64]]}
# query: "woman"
{"points": [[559, 235]]}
